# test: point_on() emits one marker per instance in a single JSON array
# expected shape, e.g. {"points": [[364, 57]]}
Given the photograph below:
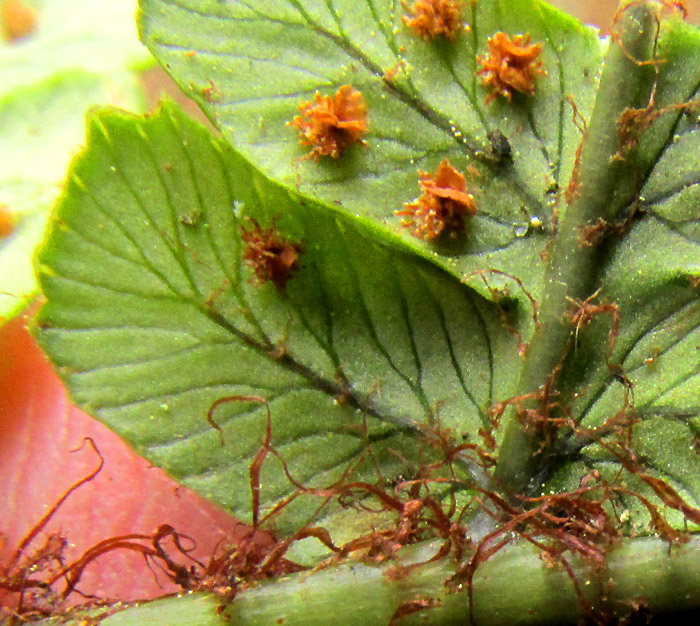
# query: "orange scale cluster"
{"points": [[511, 65], [272, 257], [330, 125], [434, 18], [443, 206]]}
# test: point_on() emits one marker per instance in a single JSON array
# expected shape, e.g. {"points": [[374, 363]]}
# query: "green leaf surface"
{"points": [[83, 53], [250, 64], [275, 54], [152, 317]]}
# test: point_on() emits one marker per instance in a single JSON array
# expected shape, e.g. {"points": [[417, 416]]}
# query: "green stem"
{"points": [[572, 269], [515, 586]]}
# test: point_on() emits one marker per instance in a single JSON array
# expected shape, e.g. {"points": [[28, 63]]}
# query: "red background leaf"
{"points": [[38, 427]]}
